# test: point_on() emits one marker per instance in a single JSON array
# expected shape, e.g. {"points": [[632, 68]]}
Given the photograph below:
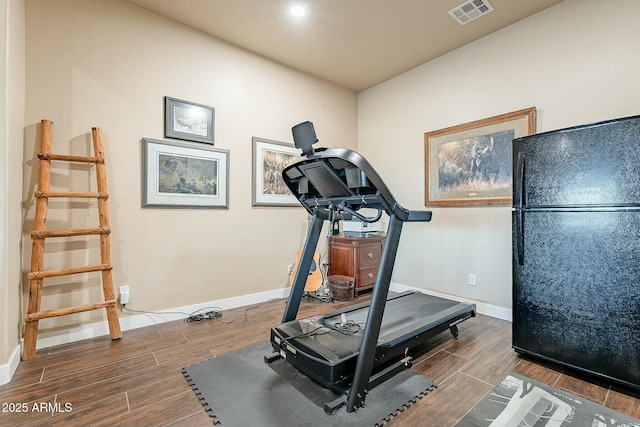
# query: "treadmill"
{"points": [[352, 350]]}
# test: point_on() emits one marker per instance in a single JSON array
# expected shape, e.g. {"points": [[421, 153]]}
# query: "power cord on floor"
{"points": [[204, 316], [213, 313]]}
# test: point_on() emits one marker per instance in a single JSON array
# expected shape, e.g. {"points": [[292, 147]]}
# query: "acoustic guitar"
{"points": [[314, 280]]}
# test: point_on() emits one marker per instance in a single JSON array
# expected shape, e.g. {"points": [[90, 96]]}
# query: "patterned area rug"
{"points": [[519, 401], [239, 389]]}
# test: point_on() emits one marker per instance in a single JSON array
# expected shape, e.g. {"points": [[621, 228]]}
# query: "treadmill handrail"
{"points": [[419, 216]]}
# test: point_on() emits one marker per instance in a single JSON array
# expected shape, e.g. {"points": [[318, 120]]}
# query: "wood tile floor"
{"points": [[137, 381]]}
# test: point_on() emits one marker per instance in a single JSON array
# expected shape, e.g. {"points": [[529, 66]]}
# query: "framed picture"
{"points": [[269, 159], [179, 175], [188, 121], [470, 164]]}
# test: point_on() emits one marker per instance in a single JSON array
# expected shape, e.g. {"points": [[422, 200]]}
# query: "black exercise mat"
{"points": [[239, 389], [521, 401]]}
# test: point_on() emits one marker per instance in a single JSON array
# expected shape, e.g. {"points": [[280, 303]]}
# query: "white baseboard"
{"points": [[7, 371], [481, 307], [49, 339]]}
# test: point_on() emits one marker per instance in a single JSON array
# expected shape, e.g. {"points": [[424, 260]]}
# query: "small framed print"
{"points": [[189, 121]]}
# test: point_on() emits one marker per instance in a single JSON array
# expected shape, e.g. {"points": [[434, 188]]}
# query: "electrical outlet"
{"points": [[472, 279], [290, 269], [124, 295]]}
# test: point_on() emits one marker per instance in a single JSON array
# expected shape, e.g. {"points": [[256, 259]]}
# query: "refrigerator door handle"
{"points": [[518, 192], [518, 195], [519, 235]]}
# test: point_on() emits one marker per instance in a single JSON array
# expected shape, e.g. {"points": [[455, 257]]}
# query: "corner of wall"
{"points": [[12, 102]]}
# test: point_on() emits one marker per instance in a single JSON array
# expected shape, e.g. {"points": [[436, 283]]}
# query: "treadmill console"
{"points": [[342, 180]]}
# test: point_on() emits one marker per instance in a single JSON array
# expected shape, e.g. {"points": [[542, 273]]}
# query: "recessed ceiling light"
{"points": [[297, 10]]}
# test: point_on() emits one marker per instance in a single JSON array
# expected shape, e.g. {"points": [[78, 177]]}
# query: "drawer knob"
{"points": [[370, 254], [370, 275]]}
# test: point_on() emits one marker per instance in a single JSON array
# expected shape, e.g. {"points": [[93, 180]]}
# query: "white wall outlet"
{"points": [[289, 268], [124, 295], [472, 279]]}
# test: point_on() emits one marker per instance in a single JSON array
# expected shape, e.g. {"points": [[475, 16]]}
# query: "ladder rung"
{"points": [[67, 158], [43, 234], [84, 194], [32, 317], [43, 274]]}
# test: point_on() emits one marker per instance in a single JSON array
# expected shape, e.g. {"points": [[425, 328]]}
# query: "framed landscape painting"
{"points": [[180, 175]]}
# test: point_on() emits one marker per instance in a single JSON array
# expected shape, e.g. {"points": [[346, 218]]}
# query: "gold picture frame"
{"points": [[470, 164]]}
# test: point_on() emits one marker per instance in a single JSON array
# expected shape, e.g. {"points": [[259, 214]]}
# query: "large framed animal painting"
{"points": [[470, 164], [269, 159]]}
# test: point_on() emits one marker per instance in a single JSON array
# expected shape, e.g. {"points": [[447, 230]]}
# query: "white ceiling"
{"points": [[353, 43]]}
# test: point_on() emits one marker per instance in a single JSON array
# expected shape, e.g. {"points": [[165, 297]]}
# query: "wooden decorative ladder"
{"points": [[40, 233]]}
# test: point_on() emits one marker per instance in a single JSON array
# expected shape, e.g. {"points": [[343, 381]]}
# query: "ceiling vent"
{"points": [[470, 10]]}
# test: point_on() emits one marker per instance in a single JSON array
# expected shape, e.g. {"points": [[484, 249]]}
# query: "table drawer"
{"points": [[367, 275], [370, 254]]}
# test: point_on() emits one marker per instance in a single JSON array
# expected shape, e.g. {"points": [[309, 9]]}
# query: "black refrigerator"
{"points": [[576, 248]]}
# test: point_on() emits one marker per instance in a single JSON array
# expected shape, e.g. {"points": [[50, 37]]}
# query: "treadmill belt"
{"points": [[404, 315]]}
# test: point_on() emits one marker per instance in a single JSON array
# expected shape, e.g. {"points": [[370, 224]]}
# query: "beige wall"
{"points": [[577, 62], [109, 64], [11, 134]]}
